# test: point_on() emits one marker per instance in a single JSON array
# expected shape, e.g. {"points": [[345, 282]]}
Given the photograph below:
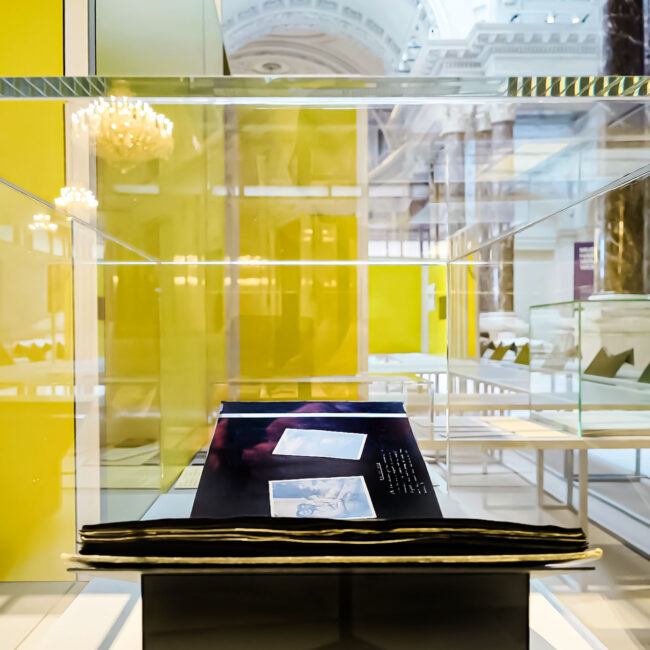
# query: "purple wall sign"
{"points": [[583, 270]]}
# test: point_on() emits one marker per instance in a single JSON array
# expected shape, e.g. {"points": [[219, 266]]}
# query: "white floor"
{"points": [[608, 607]]}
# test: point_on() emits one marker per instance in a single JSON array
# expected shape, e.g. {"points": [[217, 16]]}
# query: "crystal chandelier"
{"points": [[125, 131], [74, 197], [42, 222]]}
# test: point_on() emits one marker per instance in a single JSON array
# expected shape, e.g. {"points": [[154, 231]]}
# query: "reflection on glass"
{"points": [[37, 466], [124, 131]]}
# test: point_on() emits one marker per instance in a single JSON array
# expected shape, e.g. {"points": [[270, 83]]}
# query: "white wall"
{"points": [[158, 37]]}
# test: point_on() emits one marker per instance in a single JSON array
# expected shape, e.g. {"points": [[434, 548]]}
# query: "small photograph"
{"points": [[343, 497], [324, 444]]}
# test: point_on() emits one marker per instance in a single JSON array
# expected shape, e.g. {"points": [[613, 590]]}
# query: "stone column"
{"points": [[452, 136], [483, 151], [622, 264], [622, 261], [623, 37], [503, 148], [621, 217], [496, 275], [487, 284]]}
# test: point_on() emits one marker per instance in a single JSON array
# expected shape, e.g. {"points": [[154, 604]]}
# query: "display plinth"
{"points": [[333, 607]]}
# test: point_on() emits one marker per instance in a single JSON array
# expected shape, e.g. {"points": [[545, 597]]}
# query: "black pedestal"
{"points": [[336, 609]]}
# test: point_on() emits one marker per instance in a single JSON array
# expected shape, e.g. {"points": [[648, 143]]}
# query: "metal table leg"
{"points": [[540, 478], [568, 475], [583, 483]]}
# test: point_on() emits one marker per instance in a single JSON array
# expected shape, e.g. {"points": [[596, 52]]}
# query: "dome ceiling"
{"points": [[322, 36]]}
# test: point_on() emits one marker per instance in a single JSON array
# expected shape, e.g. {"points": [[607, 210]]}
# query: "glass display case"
{"points": [[278, 239], [591, 358], [547, 374]]}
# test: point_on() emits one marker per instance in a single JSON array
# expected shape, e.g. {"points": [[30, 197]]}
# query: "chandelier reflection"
{"points": [[42, 222], [125, 131], [75, 198]]}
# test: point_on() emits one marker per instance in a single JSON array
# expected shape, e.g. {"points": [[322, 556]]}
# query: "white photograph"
{"points": [[344, 497], [324, 444]]}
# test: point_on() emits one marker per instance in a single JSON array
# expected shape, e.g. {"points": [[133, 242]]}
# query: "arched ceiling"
{"points": [[304, 52], [422, 37], [322, 36]]}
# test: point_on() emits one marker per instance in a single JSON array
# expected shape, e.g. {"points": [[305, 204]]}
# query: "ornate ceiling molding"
{"points": [[388, 30], [410, 36], [499, 49]]}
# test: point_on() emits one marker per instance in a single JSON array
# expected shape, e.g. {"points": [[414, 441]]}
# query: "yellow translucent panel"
{"points": [[164, 323], [297, 320], [472, 308], [200, 314], [395, 307], [438, 315], [183, 358], [397, 297], [130, 349], [463, 309], [37, 466]]}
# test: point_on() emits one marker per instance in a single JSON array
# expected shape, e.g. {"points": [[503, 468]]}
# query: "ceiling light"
{"points": [[75, 197], [125, 131], [42, 222]]}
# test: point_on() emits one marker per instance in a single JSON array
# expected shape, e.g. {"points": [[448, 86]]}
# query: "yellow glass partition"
{"points": [[296, 320], [200, 314], [37, 409]]}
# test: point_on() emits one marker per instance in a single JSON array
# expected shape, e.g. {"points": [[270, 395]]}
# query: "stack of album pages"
{"points": [[289, 541]]}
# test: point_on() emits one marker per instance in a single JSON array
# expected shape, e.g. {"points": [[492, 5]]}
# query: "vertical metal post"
{"points": [[583, 482], [540, 478], [568, 475]]}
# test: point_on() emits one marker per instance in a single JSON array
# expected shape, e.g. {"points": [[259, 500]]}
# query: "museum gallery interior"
{"points": [[325, 324]]}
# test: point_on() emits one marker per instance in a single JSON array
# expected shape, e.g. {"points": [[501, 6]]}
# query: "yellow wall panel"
{"points": [[438, 317], [32, 141], [36, 407], [395, 299], [31, 42]]}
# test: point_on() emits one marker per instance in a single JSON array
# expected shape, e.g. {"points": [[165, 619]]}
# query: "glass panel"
{"points": [[339, 239], [615, 357], [37, 410], [554, 365], [79, 384], [547, 352], [335, 89], [126, 288], [433, 156]]}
